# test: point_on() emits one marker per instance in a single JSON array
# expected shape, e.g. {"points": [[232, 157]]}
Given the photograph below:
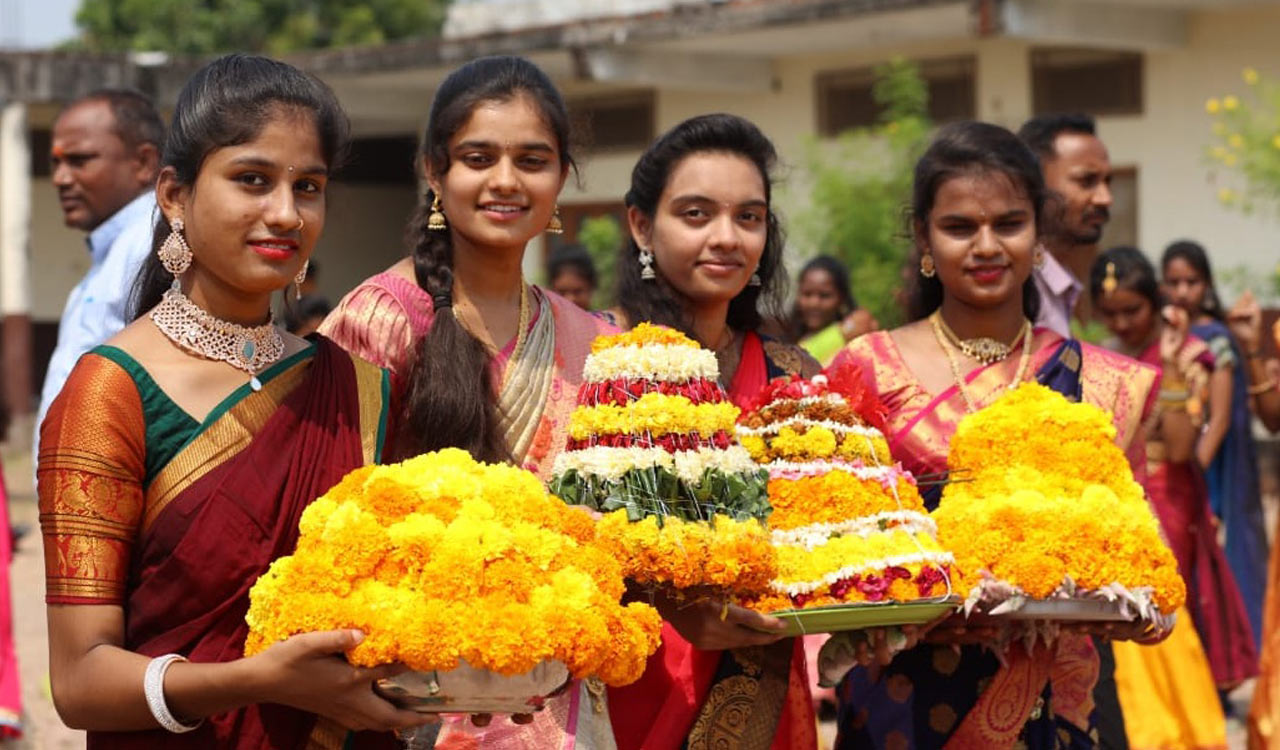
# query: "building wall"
{"points": [[1176, 187]]}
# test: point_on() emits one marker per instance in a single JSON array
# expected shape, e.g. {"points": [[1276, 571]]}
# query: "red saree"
{"points": [[702, 699], [179, 547]]}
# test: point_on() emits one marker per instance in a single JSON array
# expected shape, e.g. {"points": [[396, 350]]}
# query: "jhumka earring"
{"points": [[646, 265], [1037, 255], [927, 267], [435, 221], [175, 254], [301, 277], [555, 226], [1110, 283]]}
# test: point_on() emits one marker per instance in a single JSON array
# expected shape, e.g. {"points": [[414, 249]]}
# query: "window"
{"points": [[845, 99], [41, 141], [613, 121], [384, 160], [1095, 82]]}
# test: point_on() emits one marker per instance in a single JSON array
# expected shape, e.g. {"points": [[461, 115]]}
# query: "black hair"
{"points": [[573, 258], [1130, 269], [839, 278], [960, 149], [227, 103], [310, 306], [449, 399], [136, 120], [1194, 255], [656, 301], [1040, 132]]}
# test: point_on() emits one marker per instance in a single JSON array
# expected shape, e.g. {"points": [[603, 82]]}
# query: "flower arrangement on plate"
{"points": [[651, 445], [1049, 518], [450, 564], [849, 525]]}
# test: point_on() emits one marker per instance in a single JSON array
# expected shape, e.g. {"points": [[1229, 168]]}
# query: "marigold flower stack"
{"points": [[441, 559], [651, 444], [1051, 510], [849, 525]]}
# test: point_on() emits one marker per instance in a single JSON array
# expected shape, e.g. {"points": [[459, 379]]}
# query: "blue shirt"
{"points": [[98, 306]]}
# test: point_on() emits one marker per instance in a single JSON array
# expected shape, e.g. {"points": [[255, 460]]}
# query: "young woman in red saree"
{"points": [[705, 254], [177, 460], [977, 206]]}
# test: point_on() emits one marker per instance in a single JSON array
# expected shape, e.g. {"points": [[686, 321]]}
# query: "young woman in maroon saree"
{"points": [[705, 253], [176, 462], [977, 204]]}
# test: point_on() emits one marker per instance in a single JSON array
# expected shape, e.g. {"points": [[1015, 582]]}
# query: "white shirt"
{"points": [[97, 307]]}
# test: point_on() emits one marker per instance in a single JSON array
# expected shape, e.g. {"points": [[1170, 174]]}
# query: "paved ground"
{"points": [[44, 730]]}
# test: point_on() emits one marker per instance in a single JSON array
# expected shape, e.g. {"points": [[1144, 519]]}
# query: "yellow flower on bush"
{"points": [[1213, 106], [1250, 76], [1230, 102], [1051, 496], [442, 558]]}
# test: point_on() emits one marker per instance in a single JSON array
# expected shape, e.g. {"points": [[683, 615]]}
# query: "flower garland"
{"points": [[441, 558], [1033, 456], [815, 441], [654, 414], [733, 556]]}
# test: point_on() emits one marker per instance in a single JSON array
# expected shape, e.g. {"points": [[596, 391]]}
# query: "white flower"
{"points": [[660, 362]]}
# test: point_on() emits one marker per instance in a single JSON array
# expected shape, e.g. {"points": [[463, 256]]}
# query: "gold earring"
{"points": [[1110, 283], [555, 226], [927, 267], [436, 222], [301, 277], [174, 252], [1037, 255]]}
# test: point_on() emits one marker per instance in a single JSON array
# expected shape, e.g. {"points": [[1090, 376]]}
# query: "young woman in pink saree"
{"points": [[705, 255], [977, 204], [481, 359], [176, 462]]}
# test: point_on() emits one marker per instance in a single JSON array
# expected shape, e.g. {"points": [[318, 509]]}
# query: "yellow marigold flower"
{"points": [[441, 558], [1034, 456], [645, 333], [1212, 106], [1249, 75], [1230, 102], [656, 414]]}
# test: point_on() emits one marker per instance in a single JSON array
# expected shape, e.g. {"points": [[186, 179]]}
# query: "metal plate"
{"points": [[1066, 610], [473, 691], [838, 617]]}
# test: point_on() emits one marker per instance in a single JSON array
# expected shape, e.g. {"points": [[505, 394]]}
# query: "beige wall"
{"points": [[1176, 189]]}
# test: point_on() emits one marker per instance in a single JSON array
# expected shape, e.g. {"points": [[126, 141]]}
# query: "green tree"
{"points": [[266, 26], [860, 186], [602, 237], [1246, 133]]}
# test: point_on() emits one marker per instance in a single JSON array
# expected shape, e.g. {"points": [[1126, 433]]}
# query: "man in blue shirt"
{"points": [[105, 157]]}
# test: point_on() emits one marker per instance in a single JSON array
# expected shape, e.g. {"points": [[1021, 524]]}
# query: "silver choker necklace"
{"points": [[195, 331]]}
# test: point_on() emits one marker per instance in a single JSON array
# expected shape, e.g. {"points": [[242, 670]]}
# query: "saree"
{"points": [[383, 320], [10, 686], [173, 520], [743, 699], [935, 696], [1264, 711], [1232, 477]]}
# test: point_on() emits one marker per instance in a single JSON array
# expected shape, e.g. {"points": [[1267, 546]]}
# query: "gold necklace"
{"points": [[983, 350], [195, 331], [970, 405]]}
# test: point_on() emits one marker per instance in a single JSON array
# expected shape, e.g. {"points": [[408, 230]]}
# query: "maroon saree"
{"points": [[199, 530]]}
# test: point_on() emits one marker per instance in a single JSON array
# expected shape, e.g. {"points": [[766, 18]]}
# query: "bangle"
{"points": [[1261, 388], [153, 688], [1168, 394]]}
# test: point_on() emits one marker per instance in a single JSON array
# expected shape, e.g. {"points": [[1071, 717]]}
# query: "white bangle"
{"points": [[153, 688]]}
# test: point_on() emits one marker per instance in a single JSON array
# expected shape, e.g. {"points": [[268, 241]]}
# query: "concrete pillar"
{"points": [[15, 283], [1004, 82]]}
